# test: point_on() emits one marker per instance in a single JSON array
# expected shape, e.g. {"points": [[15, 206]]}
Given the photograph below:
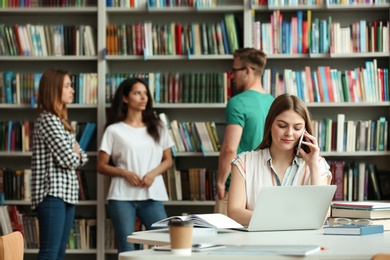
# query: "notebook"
{"points": [[291, 208]]}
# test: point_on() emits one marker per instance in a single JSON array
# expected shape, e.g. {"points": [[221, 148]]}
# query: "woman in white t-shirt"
{"points": [[275, 161], [135, 151]]}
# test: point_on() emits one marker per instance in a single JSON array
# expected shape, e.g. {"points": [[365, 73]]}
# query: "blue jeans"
{"points": [[123, 215], [55, 219]]}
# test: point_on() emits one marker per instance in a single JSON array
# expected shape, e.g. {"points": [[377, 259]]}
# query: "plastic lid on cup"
{"points": [[180, 223]]}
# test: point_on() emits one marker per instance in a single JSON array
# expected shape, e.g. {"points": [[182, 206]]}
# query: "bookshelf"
{"points": [[99, 16], [82, 112]]}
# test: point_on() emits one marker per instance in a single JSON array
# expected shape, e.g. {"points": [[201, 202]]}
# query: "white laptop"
{"points": [[291, 208]]}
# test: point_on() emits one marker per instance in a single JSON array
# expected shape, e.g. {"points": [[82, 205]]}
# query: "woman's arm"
{"points": [[83, 158], [237, 199], [318, 172], [165, 164], [104, 167], [60, 143]]}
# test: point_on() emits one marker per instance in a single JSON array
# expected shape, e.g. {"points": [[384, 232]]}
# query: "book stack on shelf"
{"points": [[85, 133], [373, 212], [83, 186], [303, 34], [150, 39], [22, 88], [351, 135], [109, 241], [16, 135], [16, 184], [359, 181], [193, 136], [193, 184], [326, 84], [45, 3], [47, 40], [175, 88], [83, 233]]}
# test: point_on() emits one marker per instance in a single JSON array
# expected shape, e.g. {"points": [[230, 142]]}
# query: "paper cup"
{"points": [[180, 234]]}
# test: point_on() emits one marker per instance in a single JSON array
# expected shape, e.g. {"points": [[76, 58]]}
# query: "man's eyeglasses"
{"points": [[242, 68], [347, 221]]}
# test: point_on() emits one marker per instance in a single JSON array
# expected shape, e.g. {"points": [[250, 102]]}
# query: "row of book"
{"points": [[193, 184], [213, 3], [356, 2], [273, 3], [304, 34], [173, 38], [123, 3], [43, 3], [202, 87], [82, 236], [22, 87], [367, 36], [190, 3], [47, 40], [282, 37], [288, 3], [324, 84], [109, 234], [161, 3], [17, 135], [355, 182], [359, 181], [203, 137], [16, 184], [85, 134], [351, 135]]}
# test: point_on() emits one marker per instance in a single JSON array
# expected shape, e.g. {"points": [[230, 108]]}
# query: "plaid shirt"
{"points": [[54, 161]]}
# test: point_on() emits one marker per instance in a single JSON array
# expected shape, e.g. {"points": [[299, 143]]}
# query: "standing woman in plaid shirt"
{"points": [[56, 155]]}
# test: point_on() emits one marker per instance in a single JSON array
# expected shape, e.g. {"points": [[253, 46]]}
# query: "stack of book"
{"points": [[377, 212]]}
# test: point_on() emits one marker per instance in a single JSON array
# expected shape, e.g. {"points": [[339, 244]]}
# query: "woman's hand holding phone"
{"points": [[300, 142]]}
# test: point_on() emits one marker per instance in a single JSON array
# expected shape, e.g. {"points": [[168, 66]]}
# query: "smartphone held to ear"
{"points": [[300, 142]]}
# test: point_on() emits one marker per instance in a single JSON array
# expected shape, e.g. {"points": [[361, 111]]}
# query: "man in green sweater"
{"points": [[245, 116]]}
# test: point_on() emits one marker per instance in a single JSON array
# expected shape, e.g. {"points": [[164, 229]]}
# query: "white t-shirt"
{"points": [[257, 170], [135, 150]]}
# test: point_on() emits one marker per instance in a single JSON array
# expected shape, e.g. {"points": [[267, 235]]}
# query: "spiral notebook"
{"points": [[291, 208]]}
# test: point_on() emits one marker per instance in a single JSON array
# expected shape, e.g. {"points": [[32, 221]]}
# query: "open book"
{"points": [[216, 220]]}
